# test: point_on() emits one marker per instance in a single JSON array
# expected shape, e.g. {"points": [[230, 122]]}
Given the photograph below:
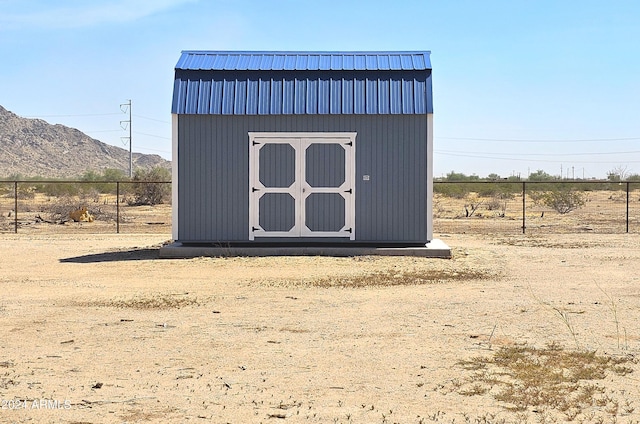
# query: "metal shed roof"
{"points": [[303, 61], [275, 83]]}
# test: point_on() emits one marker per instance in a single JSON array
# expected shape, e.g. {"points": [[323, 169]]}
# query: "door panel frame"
{"points": [[300, 189]]}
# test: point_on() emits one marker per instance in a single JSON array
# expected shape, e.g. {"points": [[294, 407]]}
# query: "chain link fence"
{"points": [[85, 206], [483, 207], [512, 207]]}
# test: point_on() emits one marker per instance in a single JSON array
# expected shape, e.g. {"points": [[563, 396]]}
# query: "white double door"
{"points": [[301, 185]]}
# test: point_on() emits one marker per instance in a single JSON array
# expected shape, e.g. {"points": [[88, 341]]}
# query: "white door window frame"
{"points": [[300, 189]]}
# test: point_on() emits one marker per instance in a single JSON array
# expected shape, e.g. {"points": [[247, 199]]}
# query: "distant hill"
{"points": [[33, 147]]}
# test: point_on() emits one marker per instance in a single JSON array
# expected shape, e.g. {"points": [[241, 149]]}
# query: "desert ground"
{"points": [[96, 329]]}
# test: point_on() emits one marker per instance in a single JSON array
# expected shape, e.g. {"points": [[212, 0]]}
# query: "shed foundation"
{"points": [[433, 249]]}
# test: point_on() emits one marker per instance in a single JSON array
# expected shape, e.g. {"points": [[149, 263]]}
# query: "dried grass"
{"points": [[399, 278], [148, 301], [549, 378]]}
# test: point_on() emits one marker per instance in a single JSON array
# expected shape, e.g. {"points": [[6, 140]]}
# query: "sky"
{"points": [[519, 85]]}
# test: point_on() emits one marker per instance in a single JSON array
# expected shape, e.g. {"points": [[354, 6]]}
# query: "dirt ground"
{"points": [[96, 329]]}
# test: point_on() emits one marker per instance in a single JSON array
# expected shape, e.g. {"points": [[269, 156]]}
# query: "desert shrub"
{"points": [[562, 201], [28, 187], [438, 207], [498, 190], [102, 183], [6, 190], [58, 210], [594, 186], [460, 189], [59, 189], [147, 188], [536, 196], [26, 191], [454, 190], [69, 188], [498, 204], [544, 187], [471, 204], [487, 190], [540, 175]]}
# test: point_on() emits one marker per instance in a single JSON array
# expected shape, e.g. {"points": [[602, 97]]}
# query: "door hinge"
{"points": [[253, 189], [349, 230], [254, 229], [350, 191]]}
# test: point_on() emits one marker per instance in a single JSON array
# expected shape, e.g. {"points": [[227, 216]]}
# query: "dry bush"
{"points": [[438, 207], [549, 378], [562, 201], [472, 203], [400, 278], [6, 190], [26, 191], [146, 188], [58, 208], [498, 204], [148, 301]]}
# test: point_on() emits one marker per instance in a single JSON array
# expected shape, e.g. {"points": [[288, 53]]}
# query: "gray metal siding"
{"points": [[325, 165], [325, 212], [213, 169], [277, 165], [277, 212], [213, 175]]}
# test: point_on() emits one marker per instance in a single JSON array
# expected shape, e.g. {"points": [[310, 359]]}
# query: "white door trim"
{"points": [[256, 186], [300, 190]]}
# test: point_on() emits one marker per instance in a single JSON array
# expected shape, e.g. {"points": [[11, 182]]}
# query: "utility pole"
{"points": [[126, 107]]}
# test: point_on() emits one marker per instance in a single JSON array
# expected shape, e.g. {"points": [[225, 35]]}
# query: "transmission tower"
{"points": [[126, 124]]}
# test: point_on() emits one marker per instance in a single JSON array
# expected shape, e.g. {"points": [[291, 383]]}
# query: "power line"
{"points": [[515, 140], [151, 119], [75, 115], [542, 154], [529, 160], [153, 150], [152, 135]]}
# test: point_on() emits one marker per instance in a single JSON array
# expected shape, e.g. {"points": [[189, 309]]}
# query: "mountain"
{"points": [[33, 147]]}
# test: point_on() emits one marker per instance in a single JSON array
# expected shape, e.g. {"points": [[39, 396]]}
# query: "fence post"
{"points": [[117, 207], [15, 207], [627, 206], [524, 207]]}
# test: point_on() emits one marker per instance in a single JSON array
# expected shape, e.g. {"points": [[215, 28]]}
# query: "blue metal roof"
{"points": [[276, 83], [303, 61]]}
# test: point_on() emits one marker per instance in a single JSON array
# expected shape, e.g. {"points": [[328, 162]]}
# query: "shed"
{"points": [[273, 148]]}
